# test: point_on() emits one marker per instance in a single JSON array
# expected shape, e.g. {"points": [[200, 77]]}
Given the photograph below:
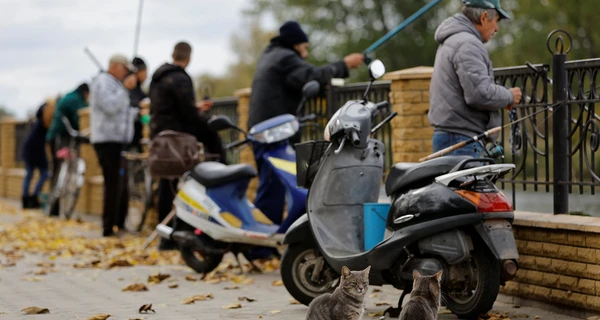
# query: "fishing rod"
{"points": [[487, 133], [399, 28], [91, 55]]}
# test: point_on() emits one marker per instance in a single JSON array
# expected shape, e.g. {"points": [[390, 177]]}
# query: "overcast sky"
{"points": [[42, 41]]}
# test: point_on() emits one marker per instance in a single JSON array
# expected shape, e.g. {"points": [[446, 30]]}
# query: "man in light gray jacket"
{"points": [[465, 101], [111, 120]]}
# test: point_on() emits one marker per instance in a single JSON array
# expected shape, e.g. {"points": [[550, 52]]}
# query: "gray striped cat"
{"points": [[347, 302], [425, 297]]}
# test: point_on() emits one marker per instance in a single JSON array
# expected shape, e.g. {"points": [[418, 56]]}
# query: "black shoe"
{"points": [[25, 203], [34, 202], [167, 245]]}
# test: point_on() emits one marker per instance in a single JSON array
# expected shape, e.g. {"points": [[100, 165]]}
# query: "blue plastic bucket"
{"points": [[375, 216]]}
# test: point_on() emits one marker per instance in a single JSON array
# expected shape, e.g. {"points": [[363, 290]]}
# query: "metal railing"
{"points": [[228, 107]]}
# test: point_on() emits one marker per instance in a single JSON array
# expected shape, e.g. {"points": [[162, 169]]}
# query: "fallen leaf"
{"points": [[232, 288], [233, 306], [212, 281], [277, 283], [120, 263], [239, 279], [135, 287], [100, 316], [199, 297], [35, 310], [157, 278], [294, 301], [45, 264], [378, 314], [537, 317], [379, 304], [374, 295], [34, 279], [121, 279], [136, 319], [246, 299], [376, 290], [274, 311], [248, 281], [9, 264], [40, 272], [146, 308], [173, 285], [191, 278]]}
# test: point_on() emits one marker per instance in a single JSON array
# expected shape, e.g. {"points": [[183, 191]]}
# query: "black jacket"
{"points": [[280, 75], [135, 96], [173, 104]]}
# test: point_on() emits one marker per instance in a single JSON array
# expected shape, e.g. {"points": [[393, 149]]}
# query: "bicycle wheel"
{"points": [[70, 189], [139, 184]]}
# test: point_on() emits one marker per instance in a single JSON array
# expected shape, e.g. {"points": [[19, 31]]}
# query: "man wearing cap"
{"points": [[280, 74], [138, 100], [111, 120], [465, 101]]}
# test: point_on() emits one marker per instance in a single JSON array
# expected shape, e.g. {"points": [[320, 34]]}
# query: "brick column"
{"points": [[7, 151], [246, 155], [409, 96]]}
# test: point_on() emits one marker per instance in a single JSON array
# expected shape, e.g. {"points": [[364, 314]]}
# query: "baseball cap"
{"points": [[487, 4], [119, 58]]}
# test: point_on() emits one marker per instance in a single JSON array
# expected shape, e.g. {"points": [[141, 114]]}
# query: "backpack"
{"points": [[173, 153]]}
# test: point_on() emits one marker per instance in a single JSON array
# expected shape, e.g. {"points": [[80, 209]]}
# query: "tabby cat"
{"points": [[425, 298], [347, 302]]}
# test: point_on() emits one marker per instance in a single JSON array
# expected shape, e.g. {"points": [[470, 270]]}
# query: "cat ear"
{"points": [[438, 276], [416, 274], [367, 270], [345, 271]]}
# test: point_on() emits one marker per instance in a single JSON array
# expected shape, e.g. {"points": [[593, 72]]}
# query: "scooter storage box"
{"points": [[375, 216]]}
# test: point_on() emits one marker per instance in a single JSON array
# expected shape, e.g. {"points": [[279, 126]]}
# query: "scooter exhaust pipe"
{"points": [[509, 270]]}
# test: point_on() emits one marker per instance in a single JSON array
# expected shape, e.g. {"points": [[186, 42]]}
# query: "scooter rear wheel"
{"points": [[487, 273], [297, 264], [200, 262]]}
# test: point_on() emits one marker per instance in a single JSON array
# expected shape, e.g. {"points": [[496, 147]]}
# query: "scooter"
{"points": [[446, 214], [212, 197]]}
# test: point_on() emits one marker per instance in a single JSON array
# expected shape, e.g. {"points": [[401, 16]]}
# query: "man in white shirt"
{"points": [[111, 120]]}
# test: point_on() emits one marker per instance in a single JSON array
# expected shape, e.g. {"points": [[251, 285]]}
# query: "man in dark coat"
{"points": [[174, 108], [280, 74]]}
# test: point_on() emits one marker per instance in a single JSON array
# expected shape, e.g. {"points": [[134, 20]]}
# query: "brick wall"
{"points": [[559, 260], [409, 96]]}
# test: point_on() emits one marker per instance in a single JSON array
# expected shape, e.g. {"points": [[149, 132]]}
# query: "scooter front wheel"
{"points": [[297, 265]]}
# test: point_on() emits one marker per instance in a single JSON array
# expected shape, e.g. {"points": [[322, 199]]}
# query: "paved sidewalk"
{"points": [[74, 293]]}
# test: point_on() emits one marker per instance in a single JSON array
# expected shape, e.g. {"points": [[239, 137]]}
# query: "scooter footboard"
{"points": [[498, 236]]}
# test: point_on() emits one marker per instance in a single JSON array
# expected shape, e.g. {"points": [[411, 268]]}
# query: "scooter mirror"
{"points": [[311, 89], [219, 123], [376, 69]]}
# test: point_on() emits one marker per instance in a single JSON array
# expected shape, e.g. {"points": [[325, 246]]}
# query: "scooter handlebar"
{"points": [[307, 117], [381, 105], [355, 138]]}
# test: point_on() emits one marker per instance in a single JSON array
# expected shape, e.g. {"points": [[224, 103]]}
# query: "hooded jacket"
{"points": [[464, 98], [173, 104], [278, 80]]}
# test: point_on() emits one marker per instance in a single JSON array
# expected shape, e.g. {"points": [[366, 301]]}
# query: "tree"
{"points": [[247, 48], [5, 112]]}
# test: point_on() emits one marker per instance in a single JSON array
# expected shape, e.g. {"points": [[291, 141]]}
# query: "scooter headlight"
{"points": [[278, 133]]}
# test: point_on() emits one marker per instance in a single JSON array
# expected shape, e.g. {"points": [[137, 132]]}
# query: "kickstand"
{"points": [[392, 312]]}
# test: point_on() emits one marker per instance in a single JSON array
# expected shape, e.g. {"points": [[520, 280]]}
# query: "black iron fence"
{"points": [[21, 132], [556, 149], [228, 107]]}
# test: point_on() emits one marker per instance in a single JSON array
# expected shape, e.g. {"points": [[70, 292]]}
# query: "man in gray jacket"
{"points": [[465, 101], [111, 120]]}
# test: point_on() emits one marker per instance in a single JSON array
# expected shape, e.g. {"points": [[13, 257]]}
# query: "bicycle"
{"points": [[141, 189], [70, 177]]}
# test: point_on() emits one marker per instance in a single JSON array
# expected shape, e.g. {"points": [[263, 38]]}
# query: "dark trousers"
{"points": [[116, 196]]}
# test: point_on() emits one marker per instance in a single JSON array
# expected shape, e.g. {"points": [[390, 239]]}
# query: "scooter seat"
{"points": [[411, 175], [211, 174]]}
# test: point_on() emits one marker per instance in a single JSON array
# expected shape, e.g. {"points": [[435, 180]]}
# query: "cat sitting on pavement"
{"points": [[425, 298]]}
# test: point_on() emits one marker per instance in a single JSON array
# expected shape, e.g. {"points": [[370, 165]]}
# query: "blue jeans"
{"points": [[444, 139], [29, 176]]}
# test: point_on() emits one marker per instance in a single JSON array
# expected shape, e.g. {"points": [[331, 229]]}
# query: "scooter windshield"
{"points": [[335, 203]]}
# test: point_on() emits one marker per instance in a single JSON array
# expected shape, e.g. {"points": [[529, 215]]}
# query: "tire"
{"points": [[70, 190], [295, 275], [488, 283], [201, 263]]}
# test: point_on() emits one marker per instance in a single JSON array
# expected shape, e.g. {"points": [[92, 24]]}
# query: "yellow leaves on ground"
{"points": [[57, 238], [100, 316], [146, 308], [277, 283], [136, 287], [232, 306], [158, 278]]}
